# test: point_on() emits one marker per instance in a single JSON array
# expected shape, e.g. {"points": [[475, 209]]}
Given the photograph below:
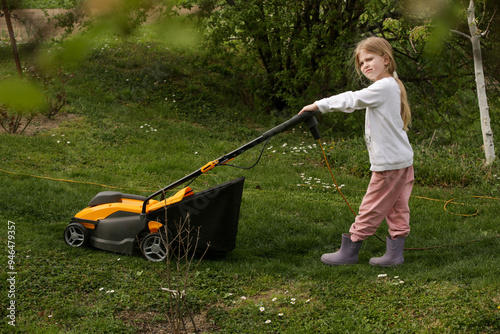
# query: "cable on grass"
{"points": [[66, 180]]}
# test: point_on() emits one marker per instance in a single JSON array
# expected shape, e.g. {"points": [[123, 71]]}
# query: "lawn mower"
{"points": [[124, 223]]}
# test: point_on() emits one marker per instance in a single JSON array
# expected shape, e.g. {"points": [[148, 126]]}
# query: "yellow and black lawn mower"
{"points": [[123, 223]]}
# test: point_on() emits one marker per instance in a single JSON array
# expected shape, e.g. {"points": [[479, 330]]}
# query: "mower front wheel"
{"points": [[154, 247], [75, 235]]}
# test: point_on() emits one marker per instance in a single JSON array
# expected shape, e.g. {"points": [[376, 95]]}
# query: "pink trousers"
{"points": [[386, 198]]}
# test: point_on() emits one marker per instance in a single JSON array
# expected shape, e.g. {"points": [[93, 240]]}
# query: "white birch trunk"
{"points": [[489, 148]]}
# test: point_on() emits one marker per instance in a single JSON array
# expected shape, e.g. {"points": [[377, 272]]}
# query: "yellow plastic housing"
{"points": [[130, 205]]}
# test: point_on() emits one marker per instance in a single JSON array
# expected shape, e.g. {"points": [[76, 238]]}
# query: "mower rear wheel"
{"points": [[75, 235], [154, 247]]}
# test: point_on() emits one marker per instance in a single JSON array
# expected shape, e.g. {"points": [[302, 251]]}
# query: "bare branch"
{"points": [[487, 30], [461, 34]]}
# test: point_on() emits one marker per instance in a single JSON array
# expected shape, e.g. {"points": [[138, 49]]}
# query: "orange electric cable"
{"points": [[65, 180], [333, 177]]}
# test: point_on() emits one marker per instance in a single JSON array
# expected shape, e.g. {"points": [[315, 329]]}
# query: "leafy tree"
{"points": [[302, 47]]}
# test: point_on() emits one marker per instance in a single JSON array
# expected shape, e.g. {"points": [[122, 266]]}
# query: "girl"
{"points": [[391, 156]]}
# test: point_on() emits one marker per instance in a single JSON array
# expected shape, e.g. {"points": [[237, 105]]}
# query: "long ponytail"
{"points": [[405, 106]]}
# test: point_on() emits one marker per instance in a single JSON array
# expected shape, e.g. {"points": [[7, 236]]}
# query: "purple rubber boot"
{"points": [[393, 255], [347, 254]]}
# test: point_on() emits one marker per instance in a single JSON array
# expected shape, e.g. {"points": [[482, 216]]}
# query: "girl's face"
{"points": [[372, 65]]}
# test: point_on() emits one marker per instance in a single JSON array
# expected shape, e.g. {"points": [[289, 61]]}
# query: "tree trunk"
{"points": [[489, 148], [6, 12]]}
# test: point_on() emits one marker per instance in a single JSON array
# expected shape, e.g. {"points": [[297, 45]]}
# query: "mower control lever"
{"points": [[312, 124]]}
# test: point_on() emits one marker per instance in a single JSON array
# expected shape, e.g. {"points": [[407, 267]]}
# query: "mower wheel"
{"points": [[154, 247], [75, 235]]}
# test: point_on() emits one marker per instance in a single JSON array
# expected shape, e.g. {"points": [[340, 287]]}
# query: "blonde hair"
{"points": [[381, 47]]}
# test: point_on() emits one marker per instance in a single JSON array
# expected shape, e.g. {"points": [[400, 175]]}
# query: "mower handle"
{"points": [[307, 117]]}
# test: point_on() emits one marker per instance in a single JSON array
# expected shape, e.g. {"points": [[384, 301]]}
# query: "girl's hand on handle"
{"points": [[309, 107]]}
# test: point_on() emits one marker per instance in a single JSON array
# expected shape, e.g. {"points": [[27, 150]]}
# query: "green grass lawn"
{"points": [[131, 133]]}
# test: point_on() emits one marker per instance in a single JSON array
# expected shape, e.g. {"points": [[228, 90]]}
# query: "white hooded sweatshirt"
{"points": [[387, 142]]}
